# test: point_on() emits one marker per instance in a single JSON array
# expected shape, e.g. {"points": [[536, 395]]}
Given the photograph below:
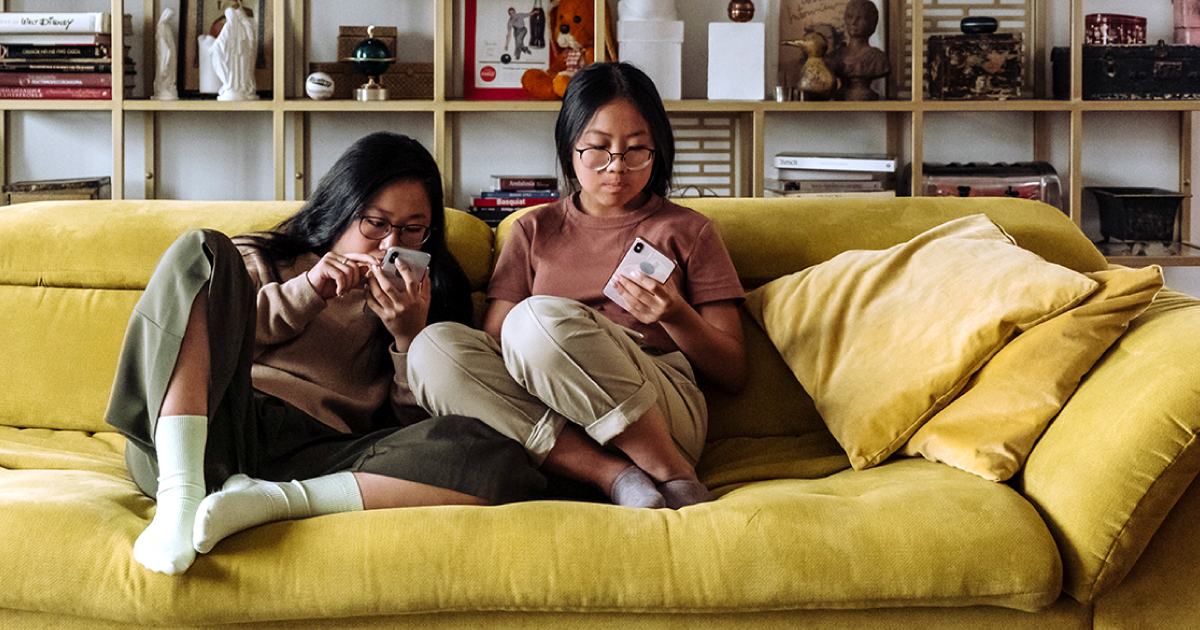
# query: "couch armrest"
{"points": [[1124, 448]]}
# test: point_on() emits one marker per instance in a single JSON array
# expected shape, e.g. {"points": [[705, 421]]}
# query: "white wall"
{"points": [[228, 155]]}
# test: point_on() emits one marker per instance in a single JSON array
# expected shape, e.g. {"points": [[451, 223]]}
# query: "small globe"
{"points": [[371, 57]]}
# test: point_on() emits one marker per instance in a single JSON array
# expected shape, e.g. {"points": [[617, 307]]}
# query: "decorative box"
{"points": [[58, 189], [402, 80], [1114, 29], [350, 36], [977, 66], [1159, 71], [1027, 180], [1138, 214]]}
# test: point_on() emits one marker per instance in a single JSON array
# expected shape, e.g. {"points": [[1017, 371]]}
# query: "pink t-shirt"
{"points": [[559, 250]]}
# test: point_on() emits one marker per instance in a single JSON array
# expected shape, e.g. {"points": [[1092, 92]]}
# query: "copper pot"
{"points": [[741, 10]]}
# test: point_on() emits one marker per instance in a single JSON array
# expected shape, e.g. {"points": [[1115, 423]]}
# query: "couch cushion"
{"points": [[1113, 463], [883, 339], [992, 425], [910, 533]]}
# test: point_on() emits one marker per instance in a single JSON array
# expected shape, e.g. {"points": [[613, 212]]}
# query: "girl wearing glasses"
{"points": [[596, 392], [252, 368]]}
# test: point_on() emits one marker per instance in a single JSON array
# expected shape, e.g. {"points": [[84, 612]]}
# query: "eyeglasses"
{"points": [[376, 229], [598, 159]]}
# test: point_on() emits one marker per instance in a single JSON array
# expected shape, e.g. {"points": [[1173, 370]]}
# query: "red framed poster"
{"points": [[504, 38]]}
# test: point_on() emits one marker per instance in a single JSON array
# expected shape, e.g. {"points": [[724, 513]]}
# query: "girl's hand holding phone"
{"points": [[647, 299], [400, 295]]}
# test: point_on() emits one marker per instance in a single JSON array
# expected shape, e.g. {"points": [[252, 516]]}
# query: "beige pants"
{"points": [[558, 361]]}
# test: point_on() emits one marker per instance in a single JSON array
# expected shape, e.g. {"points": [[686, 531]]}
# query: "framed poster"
{"points": [[504, 38], [798, 18], [207, 17]]}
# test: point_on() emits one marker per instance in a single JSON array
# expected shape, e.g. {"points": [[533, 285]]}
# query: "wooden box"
{"points": [[983, 66], [402, 80], [58, 190], [1157, 71]]}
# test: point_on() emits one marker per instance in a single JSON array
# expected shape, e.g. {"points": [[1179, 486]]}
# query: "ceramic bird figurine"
{"points": [[816, 81]]}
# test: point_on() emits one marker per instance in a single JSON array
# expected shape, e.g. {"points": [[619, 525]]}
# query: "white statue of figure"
{"points": [[647, 10], [233, 55], [166, 49]]}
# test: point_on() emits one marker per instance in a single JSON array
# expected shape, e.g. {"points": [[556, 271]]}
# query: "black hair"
{"points": [[594, 87], [370, 164]]}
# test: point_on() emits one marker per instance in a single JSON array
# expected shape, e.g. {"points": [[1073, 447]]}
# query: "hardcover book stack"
{"points": [[59, 56], [511, 193], [832, 176]]}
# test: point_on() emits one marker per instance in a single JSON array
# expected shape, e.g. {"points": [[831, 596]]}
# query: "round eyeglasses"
{"points": [[598, 159], [376, 229]]}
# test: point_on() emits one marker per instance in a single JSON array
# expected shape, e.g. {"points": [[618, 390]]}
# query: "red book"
{"points": [[56, 92], [525, 182], [510, 202], [57, 79]]}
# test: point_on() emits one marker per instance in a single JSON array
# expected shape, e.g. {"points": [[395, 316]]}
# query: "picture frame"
{"points": [[492, 64], [198, 18], [798, 18]]}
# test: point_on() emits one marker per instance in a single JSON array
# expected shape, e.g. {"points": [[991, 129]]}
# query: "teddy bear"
{"points": [[572, 27]]}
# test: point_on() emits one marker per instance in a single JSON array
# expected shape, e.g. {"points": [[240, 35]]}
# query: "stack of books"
{"points": [[513, 192], [59, 56], [832, 175]]}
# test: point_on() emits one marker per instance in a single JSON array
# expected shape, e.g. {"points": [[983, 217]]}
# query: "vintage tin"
{"points": [[1159, 71], [1130, 213], [1026, 180], [976, 66], [402, 80]]}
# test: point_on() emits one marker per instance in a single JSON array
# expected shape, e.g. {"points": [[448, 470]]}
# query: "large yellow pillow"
{"points": [[884, 339], [991, 427]]}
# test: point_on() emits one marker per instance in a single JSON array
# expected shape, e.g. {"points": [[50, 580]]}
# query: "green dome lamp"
{"points": [[372, 58]]}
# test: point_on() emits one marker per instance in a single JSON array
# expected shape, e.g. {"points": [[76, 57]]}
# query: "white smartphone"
{"points": [[416, 261], [641, 257]]}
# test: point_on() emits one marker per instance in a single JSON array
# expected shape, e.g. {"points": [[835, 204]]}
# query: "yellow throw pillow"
{"points": [[992, 426], [884, 339]]}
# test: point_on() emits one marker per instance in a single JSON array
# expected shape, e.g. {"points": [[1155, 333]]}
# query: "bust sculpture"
{"points": [[856, 63]]}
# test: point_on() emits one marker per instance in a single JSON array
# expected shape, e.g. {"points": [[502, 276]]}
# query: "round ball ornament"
{"points": [[319, 86], [740, 10], [372, 58]]}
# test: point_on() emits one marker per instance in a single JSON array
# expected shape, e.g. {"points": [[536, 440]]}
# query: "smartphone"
{"points": [[416, 261], [641, 257]]}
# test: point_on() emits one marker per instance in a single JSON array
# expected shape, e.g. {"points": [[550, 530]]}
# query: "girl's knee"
{"points": [[541, 317]]}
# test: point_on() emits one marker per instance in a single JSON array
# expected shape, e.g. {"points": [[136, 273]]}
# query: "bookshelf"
{"points": [[1061, 131]]}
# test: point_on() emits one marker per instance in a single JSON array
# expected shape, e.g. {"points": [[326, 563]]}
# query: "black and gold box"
{"points": [[975, 66], [1155, 71]]}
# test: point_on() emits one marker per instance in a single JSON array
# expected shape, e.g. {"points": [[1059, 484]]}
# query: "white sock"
{"points": [[165, 545], [243, 503]]}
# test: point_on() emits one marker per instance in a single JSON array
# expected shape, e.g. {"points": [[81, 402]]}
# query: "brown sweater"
{"points": [[332, 359]]}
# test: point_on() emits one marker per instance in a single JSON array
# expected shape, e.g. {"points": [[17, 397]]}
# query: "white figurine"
{"points": [[233, 55], [166, 49]]}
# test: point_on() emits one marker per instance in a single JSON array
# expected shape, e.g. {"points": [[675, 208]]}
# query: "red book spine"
{"points": [[56, 92], [510, 202], [55, 79]]}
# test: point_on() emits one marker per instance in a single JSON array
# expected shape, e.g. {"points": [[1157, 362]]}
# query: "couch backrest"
{"points": [[770, 238], [71, 273]]}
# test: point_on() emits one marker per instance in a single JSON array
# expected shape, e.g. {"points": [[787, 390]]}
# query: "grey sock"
{"points": [[634, 488], [681, 493]]}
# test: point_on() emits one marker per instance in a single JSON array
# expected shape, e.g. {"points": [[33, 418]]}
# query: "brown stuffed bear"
{"points": [[572, 27]]}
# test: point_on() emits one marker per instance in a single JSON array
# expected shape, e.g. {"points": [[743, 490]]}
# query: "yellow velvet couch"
{"points": [[1099, 530]]}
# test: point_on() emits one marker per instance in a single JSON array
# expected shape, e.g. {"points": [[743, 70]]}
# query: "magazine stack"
{"points": [[511, 193], [824, 175], [59, 56]]}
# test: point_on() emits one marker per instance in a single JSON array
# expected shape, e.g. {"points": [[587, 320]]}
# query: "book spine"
{"points": [[53, 51], [508, 202], [55, 79], [70, 93], [525, 183], [53, 66], [20, 22], [831, 163], [55, 39], [514, 194]]}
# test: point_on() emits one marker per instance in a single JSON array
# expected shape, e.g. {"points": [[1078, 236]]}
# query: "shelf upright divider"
{"points": [[296, 38], [1186, 128], [444, 121], [1075, 167], [117, 103], [917, 117], [278, 75], [150, 144]]}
